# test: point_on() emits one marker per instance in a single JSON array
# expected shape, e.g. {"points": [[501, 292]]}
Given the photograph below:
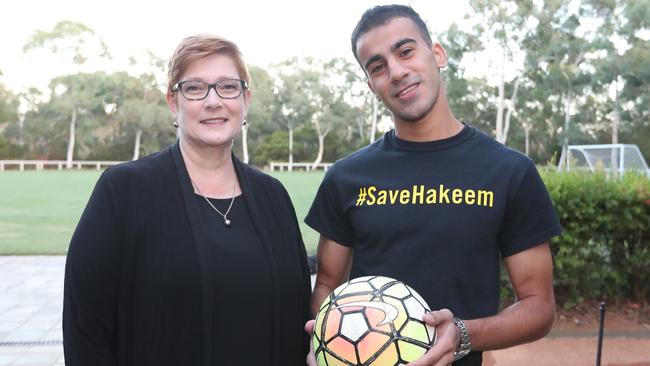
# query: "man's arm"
{"points": [[532, 314], [334, 262], [528, 319]]}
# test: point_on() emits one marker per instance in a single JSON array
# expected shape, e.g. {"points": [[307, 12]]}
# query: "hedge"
{"points": [[604, 251]]}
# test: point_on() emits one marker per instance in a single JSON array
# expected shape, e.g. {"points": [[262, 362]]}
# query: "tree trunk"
{"points": [[373, 127], [321, 143], [360, 125], [615, 152], [567, 122], [321, 148], [617, 116], [511, 109], [615, 123], [244, 143], [136, 145], [290, 149], [73, 125], [21, 127], [527, 128], [616, 120], [502, 99]]}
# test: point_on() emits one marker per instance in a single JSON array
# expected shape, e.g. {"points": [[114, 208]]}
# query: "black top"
{"points": [[242, 311], [436, 215], [141, 285]]}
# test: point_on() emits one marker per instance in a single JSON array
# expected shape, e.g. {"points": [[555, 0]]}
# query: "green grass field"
{"points": [[40, 209]]}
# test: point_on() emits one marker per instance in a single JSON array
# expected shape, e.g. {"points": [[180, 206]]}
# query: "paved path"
{"points": [[31, 300], [31, 297]]}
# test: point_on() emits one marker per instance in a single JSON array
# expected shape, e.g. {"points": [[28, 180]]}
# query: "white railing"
{"points": [[298, 166], [99, 165], [58, 164]]}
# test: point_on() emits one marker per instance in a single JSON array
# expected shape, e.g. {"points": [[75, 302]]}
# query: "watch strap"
{"points": [[465, 345]]}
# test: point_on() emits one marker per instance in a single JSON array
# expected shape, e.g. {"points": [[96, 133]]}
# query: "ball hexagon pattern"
{"points": [[371, 321]]}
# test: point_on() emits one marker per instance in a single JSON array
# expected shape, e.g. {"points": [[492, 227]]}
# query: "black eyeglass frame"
{"points": [[179, 87]]}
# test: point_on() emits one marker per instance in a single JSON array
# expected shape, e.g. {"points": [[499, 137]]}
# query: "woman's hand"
{"points": [[309, 328]]}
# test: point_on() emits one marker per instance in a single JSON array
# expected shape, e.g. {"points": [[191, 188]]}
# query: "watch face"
{"points": [[460, 354]]}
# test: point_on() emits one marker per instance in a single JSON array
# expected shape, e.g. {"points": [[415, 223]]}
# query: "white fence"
{"points": [[99, 165], [52, 164], [298, 166]]}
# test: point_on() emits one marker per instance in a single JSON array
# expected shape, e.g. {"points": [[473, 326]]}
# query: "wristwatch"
{"points": [[465, 344]]}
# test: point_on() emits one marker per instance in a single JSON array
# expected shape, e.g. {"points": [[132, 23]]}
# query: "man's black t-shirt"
{"points": [[436, 215]]}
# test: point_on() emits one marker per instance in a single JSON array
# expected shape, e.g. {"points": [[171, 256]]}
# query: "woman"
{"points": [[189, 257]]}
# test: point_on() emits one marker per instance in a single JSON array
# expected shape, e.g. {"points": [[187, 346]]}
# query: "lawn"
{"points": [[40, 209]]}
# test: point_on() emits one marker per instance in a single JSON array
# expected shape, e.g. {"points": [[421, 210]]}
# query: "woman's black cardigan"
{"points": [[136, 290]]}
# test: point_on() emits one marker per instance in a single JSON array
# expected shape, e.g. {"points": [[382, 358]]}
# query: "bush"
{"points": [[604, 251]]}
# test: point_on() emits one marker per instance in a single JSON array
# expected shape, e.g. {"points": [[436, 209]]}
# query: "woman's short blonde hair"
{"points": [[197, 47]]}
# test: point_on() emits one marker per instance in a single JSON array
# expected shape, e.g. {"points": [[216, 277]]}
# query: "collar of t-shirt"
{"points": [[463, 135]]}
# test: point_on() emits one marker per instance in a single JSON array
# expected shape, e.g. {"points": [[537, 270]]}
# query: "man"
{"points": [[435, 203]]}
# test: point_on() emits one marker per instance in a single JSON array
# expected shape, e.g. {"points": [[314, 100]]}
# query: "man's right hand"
{"points": [[309, 328], [447, 340]]}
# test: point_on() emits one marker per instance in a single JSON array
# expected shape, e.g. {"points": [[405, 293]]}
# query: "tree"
{"points": [[81, 42], [469, 97], [505, 23], [293, 107], [260, 112], [8, 117], [8, 105], [75, 41], [317, 92], [142, 106], [367, 108], [139, 108], [82, 100], [557, 60], [327, 88]]}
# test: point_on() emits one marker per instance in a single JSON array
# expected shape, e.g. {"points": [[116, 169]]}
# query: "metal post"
{"points": [[601, 328]]}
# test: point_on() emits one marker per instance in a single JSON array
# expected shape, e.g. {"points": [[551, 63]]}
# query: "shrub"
{"points": [[604, 251]]}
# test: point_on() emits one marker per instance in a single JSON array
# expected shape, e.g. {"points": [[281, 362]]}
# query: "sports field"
{"points": [[40, 209]]}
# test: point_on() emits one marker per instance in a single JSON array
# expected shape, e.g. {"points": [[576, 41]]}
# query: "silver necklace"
{"points": [[226, 221]]}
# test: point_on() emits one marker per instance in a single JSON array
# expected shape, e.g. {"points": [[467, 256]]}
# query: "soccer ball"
{"points": [[371, 321]]}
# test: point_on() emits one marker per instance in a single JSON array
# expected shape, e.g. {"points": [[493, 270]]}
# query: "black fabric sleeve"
{"points": [[91, 283], [327, 215], [530, 218]]}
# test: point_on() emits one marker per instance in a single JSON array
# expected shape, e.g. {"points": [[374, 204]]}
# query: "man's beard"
{"points": [[415, 116]]}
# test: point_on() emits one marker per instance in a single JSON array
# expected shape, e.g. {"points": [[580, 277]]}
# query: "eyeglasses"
{"points": [[197, 90]]}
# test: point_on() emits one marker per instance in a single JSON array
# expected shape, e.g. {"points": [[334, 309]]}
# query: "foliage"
{"points": [[4, 147], [69, 37], [9, 122], [273, 148], [8, 106], [563, 58], [604, 251]]}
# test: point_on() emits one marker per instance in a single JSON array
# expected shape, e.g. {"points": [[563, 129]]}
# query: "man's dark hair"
{"points": [[380, 15]]}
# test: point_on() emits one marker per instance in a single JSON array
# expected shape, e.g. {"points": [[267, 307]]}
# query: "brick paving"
{"points": [[31, 301]]}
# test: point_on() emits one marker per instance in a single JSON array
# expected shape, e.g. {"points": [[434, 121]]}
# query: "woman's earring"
{"points": [[175, 124]]}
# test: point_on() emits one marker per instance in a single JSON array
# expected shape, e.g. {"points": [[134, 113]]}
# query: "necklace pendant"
{"points": [[226, 221]]}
